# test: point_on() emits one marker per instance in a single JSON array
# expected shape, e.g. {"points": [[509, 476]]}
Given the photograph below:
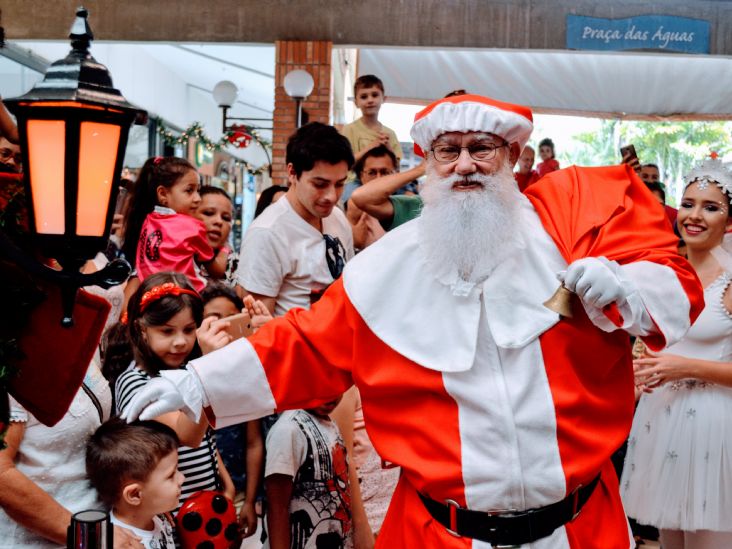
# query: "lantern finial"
{"points": [[81, 34]]}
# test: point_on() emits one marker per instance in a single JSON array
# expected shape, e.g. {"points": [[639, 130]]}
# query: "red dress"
{"points": [[549, 166]]}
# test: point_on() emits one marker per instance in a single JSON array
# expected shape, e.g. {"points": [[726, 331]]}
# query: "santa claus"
{"points": [[501, 414]]}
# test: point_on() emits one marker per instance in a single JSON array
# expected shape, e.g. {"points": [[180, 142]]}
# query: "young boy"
{"points": [[134, 469], [306, 481], [367, 132]]}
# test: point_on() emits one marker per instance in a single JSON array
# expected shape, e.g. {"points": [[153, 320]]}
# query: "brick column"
{"points": [[314, 57]]}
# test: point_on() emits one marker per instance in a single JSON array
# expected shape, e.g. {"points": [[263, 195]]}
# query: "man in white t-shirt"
{"points": [[298, 246]]}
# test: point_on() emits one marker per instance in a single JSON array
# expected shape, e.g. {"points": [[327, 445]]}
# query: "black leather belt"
{"points": [[508, 527]]}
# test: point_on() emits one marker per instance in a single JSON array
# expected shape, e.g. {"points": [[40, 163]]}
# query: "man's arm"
{"points": [[373, 198], [279, 492], [296, 361]]}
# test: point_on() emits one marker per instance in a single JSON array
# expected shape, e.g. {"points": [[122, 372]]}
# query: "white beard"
{"points": [[470, 231]]}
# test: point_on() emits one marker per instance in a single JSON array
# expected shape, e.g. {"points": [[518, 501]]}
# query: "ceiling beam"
{"points": [[514, 24]]}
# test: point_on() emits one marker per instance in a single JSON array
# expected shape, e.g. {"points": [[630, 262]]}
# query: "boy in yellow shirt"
{"points": [[367, 132]]}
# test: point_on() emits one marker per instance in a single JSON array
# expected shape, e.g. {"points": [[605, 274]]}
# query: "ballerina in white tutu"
{"points": [[678, 469]]}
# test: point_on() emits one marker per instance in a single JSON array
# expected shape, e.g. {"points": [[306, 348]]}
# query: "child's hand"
{"points": [[212, 334], [382, 139], [258, 311], [248, 519], [126, 539]]}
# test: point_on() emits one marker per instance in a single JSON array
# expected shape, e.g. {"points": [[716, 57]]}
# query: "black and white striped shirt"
{"points": [[198, 465]]}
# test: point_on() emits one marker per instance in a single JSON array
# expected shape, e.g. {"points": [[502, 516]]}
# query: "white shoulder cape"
{"points": [[434, 323]]}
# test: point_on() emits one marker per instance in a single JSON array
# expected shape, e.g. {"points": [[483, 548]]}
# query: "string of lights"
{"points": [[238, 136]]}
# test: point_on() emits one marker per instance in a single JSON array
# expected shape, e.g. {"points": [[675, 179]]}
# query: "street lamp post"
{"points": [[298, 85], [73, 130]]}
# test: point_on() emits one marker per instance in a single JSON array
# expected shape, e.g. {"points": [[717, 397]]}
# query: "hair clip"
{"points": [[157, 160], [158, 292]]}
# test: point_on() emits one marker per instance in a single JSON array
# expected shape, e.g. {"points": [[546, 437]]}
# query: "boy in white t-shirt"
{"points": [[298, 246], [134, 468], [306, 480]]}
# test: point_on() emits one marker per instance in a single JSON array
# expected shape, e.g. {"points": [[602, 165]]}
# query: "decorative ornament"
{"points": [[711, 171], [239, 136]]}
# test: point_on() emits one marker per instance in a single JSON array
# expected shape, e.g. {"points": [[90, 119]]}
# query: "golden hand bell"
{"points": [[560, 302]]}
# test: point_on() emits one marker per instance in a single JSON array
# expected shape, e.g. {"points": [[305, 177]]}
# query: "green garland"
{"points": [[195, 131]]}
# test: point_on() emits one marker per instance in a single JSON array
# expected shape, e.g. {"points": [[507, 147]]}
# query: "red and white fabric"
{"points": [[479, 393], [471, 113]]}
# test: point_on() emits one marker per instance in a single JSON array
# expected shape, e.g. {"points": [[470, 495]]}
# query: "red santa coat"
{"points": [[479, 393]]}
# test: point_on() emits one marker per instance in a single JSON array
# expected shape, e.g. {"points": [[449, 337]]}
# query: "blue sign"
{"points": [[645, 32]]}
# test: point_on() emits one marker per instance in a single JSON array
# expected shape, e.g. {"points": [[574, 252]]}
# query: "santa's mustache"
{"points": [[483, 181]]}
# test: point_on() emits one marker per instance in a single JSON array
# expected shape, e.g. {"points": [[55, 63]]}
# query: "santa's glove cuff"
{"points": [[596, 281], [174, 390]]}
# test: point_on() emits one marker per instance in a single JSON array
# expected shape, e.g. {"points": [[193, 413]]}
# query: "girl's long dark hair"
{"points": [[265, 199], [159, 170], [125, 342]]}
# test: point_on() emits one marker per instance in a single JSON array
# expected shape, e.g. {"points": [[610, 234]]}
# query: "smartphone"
{"points": [[240, 325], [627, 154]]}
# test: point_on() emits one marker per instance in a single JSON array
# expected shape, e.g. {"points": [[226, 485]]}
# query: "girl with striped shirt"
{"points": [[160, 333]]}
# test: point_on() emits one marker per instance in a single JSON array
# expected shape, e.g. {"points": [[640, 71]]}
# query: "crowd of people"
{"points": [[424, 373]]}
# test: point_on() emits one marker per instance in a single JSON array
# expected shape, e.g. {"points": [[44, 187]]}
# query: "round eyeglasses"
{"points": [[482, 152]]}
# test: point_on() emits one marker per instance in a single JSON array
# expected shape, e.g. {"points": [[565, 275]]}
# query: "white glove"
{"points": [[174, 390], [594, 281]]}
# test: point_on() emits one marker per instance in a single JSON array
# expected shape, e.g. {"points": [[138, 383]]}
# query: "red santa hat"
{"points": [[471, 113]]}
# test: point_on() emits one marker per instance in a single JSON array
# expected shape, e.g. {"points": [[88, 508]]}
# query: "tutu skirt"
{"points": [[679, 458]]}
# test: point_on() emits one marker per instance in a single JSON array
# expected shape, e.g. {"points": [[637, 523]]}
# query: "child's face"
{"points": [[220, 307], [161, 490], [324, 410], [183, 196], [173, 341], [546, 153], [215, 211], [369, 100], [526, 161]]}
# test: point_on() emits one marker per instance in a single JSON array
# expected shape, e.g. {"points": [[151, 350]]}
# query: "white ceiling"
{"points": [[622, 85], [174, 81]]}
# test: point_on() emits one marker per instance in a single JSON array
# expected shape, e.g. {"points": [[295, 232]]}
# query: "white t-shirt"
{"points": [[160, 537], [283, 256], [310, 450]]}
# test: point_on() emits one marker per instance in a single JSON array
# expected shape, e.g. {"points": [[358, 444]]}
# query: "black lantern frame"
{"points": [[75, 90]]}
